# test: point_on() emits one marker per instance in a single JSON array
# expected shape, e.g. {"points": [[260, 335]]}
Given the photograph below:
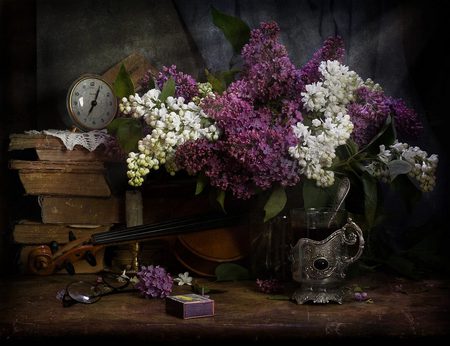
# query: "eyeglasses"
{"points": [[90, 292]]}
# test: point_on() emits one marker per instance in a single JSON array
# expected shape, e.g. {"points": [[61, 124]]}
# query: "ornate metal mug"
{"points": [[320, 259]]}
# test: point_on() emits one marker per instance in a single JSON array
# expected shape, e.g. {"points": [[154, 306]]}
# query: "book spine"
{"points": [[82, 210]]}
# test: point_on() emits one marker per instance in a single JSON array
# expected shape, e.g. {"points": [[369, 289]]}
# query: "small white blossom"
{"points": [[183, 278]]}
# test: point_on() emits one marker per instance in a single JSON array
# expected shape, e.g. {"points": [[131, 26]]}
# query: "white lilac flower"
{"points": [[173, 122], [328, 98], [423, 168], [317, 145], [315, 97]]}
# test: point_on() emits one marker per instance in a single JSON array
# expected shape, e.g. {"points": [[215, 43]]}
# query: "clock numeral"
{"points": [[92, 83], [77, 93], [107, 94]]}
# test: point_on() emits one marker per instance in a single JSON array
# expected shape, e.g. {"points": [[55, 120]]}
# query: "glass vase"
{"points": [[271, 241], [270, 248]]}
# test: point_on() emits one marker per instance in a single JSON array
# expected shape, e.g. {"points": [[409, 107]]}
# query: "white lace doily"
{"points": [[89, 140]]}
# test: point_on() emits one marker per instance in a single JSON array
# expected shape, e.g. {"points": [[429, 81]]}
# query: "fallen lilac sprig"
{"points": [[360, 296], [269, 285], [154, 282]]}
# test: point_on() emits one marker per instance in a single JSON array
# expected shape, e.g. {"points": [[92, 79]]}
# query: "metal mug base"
{"points": [[318, 295]]}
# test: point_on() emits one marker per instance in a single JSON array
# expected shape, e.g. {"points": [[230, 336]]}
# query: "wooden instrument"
{"points": [[43, 261], [201, 252]]}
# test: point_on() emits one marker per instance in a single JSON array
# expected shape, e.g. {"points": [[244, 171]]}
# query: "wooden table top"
{"points": [[402, 310]]}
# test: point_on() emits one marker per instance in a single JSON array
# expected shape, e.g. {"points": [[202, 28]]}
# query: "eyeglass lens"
{"points": [[115, 281], [85, 292]]}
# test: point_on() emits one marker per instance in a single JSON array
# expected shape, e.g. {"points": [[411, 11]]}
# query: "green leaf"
{"points": [[370, 197], [318, 197], [167, 90], [229, 76], [278, 297], [409, 192], [352, 146], [220, 198], [231, 272], [128, 132], [150, 84], [123, 85], [221, 80], [200, 289], [386, 136], [216, 83], [397, 167], [202, 182], [236, 31], [275, 204]]}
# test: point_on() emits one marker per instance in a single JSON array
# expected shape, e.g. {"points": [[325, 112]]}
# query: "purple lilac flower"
{"points": [[145, 81], [252, 152], [269, 286], [185, 85], [256, 114], [407, 122], [368, 114], [154, 282], [332, 49], [360, 296], [268, 71], [370, 110]]}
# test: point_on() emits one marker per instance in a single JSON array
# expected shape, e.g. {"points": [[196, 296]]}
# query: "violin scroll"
{"points": [[40, 261], [75, 257]]}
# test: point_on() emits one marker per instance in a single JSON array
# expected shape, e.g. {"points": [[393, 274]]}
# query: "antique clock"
{"points": [[91, 103]]}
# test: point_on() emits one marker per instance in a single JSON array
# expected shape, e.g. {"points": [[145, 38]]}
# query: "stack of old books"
{"points": [[69, 188], [82, 192]]}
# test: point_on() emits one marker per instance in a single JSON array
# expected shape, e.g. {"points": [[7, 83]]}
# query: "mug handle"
{"points": [[352, 234]]}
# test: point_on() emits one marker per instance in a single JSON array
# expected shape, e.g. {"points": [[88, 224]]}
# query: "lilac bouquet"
{"points": [[276, 126]]}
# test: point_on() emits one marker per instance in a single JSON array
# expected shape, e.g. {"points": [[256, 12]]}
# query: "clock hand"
{"points": [[94, 101]]}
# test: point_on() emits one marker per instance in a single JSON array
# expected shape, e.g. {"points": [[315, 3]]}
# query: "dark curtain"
{"points": [[46, 44]]}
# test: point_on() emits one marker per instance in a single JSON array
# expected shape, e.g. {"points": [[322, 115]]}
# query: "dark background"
{"points": [[47, 44]]}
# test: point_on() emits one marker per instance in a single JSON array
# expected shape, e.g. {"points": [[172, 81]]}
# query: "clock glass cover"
{"points": [[91, 103]]}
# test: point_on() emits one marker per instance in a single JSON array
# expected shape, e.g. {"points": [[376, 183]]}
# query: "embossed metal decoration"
{"points": [[320, 266]]}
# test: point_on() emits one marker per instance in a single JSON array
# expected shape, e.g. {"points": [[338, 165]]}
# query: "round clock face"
{"points": [[91, 103]]}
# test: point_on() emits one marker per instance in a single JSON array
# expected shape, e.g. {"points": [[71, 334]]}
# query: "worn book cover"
{"points": [[82, 210], [30, 232]]}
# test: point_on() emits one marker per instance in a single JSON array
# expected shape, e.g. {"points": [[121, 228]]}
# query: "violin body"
{"points": [[202, 252]]}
